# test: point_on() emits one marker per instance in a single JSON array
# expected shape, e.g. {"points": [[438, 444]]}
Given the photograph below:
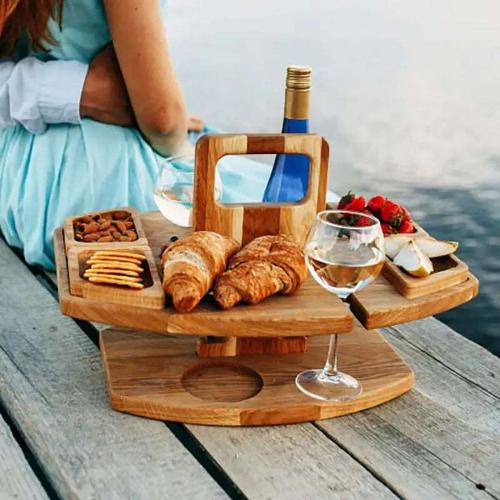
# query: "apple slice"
{"points": [[413, 260]]}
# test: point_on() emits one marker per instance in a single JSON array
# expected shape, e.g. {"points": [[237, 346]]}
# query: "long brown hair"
{"points": [[30, 17]]}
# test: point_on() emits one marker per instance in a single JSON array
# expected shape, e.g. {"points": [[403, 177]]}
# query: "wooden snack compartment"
{"points": [[448, 271], [71, 242], [151, 296]]}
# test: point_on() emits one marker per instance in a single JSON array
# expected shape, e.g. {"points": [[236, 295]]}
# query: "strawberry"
{"points": [[364, 221], [352, 202], [392, 213], [406, 226], [376, 203], [346, 199], [387, 229]]}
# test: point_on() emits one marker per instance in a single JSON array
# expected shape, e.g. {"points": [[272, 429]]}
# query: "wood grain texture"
{"points": [[53, 388], [161, 377], [448, 271], [150, 297], [246, 222], [17, 479], [441, 440], [71, 242], [213, 347], [311, 311], [380, 305], [288, 462]]}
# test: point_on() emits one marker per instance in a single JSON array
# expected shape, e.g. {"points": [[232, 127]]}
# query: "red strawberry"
{"points": [[347, 198], [376, 203], [352, 202], [406, 226], [364, 221], [387, 229], [392, 213]]}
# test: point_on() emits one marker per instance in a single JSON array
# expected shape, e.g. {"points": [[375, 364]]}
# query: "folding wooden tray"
{"points": [[242, 376]]}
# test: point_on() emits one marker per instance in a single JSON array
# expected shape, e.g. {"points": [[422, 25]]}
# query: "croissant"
{"points": [[191, 264], [267, 265]]}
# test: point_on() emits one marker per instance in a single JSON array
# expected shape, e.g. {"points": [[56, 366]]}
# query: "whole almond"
{"points": [[116, 235], [85, 219], [91, 237], [105, 239], [131, 234], [105, 224], [91, 227], [108, 216], [128, 224], [120, 214], [120, 226], [78, 237], [125, 238]]}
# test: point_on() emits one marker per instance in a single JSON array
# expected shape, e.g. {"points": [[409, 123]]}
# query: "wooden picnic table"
{"points": [[60, 439]]}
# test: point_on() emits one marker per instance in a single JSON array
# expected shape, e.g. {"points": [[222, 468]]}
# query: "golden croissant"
{"points": [[191, 264], [267, 265]]}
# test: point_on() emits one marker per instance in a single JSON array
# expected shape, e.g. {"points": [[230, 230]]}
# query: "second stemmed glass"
{"points": [[344, 253]]}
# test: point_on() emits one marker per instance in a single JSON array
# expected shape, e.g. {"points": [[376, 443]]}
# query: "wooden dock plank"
{"points": [[17, 479], [53, 387], [441, 439]]}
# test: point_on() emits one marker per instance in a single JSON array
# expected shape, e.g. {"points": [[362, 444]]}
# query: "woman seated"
{"points": [[89, 108]]}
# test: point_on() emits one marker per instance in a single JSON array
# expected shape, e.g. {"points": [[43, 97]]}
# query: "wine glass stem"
{"points": [[330, 368]]}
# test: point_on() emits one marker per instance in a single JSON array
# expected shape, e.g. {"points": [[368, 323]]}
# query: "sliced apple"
{"points": [[435, 248], [413, 260]]}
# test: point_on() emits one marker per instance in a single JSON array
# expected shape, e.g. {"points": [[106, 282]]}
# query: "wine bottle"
{"points": [[289, 176]]}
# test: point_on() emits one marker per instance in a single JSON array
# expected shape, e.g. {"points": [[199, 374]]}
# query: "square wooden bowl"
{"points": [[151, 296], [71, 242]]}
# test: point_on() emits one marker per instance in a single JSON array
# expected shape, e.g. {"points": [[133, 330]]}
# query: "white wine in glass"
{"points": [[344, 253]]}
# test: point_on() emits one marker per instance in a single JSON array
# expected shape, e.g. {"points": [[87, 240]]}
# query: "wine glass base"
{"points": [[339, 387]]}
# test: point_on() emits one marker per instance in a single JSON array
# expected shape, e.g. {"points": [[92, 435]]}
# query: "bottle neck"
{"points": [[297, 104]]}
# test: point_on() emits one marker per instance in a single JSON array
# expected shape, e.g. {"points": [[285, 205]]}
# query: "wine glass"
{"points": [[344, 253], [174, 189]]}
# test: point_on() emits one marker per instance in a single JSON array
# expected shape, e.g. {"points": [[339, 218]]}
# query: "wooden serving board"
{"points": [[380, 304], [311, 311], [160, 377]]}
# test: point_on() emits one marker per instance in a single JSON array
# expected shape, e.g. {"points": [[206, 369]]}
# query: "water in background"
{"points": [[407, 94]]}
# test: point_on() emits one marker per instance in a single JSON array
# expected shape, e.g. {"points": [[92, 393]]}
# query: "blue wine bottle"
{"points": [[289, 177]]}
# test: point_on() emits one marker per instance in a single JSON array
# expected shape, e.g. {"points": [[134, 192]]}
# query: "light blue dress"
{"points": [[72, 169]]}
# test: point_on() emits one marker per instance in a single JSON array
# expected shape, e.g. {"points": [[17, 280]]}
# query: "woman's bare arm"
{"points": [[141, 47]]}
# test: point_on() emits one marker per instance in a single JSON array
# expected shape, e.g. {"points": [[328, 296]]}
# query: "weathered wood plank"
{"points": [[441, 439], [17, 479], [288, 462], [459, 354], [53, 387]]}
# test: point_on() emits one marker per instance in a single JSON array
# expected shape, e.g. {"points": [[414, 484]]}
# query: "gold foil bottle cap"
{"points": [[298, 77]]}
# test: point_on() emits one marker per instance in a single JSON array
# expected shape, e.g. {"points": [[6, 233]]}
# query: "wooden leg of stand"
{"points": [[213, 347]]}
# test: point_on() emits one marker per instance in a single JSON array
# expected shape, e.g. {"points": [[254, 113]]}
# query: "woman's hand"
{"points": [[195, 123], [104, 96]]}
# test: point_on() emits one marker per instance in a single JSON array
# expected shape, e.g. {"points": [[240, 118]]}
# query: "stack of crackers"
{"points": [[114, 267]]}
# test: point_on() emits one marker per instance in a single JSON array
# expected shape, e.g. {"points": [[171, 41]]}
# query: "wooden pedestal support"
{"points": [[161, 377]]}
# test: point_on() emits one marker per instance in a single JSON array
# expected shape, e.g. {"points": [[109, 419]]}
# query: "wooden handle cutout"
{"points": [[245, 222]]}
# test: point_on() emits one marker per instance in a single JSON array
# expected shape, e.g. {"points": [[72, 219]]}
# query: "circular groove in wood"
{"points": [[223, 382]]}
